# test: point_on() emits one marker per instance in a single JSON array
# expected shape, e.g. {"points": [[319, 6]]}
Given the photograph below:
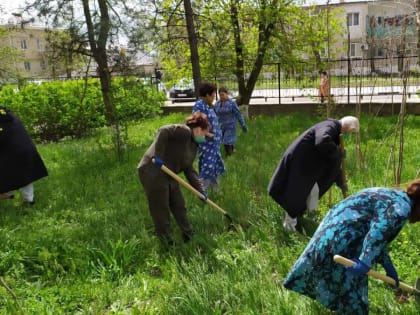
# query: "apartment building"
{"points": [[30, 43], [383, 31]]}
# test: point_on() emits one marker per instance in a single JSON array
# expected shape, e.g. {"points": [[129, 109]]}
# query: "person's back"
{"points": [[20, 162]]}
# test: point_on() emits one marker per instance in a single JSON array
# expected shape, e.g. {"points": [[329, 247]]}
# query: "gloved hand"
{"points": [[392, 272], [204, 193], [244, 128], [360, 268], [157, 161]]}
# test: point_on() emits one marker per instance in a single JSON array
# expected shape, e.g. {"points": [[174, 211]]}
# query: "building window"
{"points": [[23, 44], [352, 50], [353, 19], [40, 44], [43, 65], [380, 52], [27, 65]]}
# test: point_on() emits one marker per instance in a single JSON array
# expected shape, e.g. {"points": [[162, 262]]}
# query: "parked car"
{"points": [[184, 89]]}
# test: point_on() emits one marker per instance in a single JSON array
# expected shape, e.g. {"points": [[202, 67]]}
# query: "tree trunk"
{"points": [[371, 43], [245, 88], [193, 42], [239, 69], [98, 47]]}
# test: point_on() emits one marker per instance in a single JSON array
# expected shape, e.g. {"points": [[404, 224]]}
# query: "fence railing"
{"points": [[347, 78]]}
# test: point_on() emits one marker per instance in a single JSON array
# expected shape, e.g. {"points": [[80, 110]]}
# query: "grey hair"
{"points": [[350, 123]]}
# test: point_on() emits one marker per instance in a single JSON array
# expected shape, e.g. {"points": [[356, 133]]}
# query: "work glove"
{"points": [[244, 128], [204, 193], [158, 162], [391, 272], [360, 268]]}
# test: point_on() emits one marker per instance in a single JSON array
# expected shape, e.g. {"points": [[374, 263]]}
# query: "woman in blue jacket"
{"points": [[228, 113], [359, 227]]}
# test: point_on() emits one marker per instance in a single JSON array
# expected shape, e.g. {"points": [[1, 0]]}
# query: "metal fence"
{"points": [[347, 78]]}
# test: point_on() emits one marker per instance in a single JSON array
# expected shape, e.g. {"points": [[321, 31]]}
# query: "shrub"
{"points": [[54, 110]]}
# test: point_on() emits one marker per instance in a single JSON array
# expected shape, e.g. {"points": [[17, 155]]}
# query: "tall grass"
{"points": [[87, 246]]}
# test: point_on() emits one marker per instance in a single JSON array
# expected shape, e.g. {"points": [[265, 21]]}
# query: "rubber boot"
{"points": [[228, 149]]}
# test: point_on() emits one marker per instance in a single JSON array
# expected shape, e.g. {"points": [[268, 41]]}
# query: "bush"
{"points": [[54, 110]]}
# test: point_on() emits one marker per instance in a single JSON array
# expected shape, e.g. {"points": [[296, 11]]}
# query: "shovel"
{"points": [[405, 287], [198, 194]]}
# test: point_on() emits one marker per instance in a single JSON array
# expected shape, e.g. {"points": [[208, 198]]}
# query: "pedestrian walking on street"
{"points": [[324, 87]]}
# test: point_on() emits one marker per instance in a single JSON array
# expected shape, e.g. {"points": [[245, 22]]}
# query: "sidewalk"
{"points": [[382, 99]]}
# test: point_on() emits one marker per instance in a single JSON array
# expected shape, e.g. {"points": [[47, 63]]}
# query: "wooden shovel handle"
{"points": [[192, 189], [348, 263]]}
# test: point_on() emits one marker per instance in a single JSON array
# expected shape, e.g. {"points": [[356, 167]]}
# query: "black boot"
{"points": [[228, 149], [186, 236]]}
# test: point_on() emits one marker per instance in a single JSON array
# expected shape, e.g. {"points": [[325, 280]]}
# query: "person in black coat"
{"points": [[20, 162], [309, 167]]}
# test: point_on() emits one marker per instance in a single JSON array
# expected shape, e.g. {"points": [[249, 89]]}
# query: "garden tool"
{"points": [[343, 164], [198, 194], [405, 287]]}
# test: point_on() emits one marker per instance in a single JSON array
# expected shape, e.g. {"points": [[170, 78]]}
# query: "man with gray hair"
{"points": [[309, 167]]}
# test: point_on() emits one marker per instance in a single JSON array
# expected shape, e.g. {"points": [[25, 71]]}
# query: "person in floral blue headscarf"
{"points": [[228, 113], [210, 162], [360, 227]]}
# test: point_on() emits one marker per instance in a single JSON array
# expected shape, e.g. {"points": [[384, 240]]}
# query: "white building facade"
{"points": [[382, 32]]}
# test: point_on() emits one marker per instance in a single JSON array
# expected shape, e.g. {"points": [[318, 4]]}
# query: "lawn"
{"points": [[87, 245]]}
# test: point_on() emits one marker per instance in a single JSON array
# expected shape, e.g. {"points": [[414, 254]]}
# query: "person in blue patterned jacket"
{"points": [[210, 162], [228, 113], [360, 227]]}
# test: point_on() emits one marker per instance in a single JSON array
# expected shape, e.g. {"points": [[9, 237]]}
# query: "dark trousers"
{"points": [[165, 197]]}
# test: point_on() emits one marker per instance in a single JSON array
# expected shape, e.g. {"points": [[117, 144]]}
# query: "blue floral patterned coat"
{"points": [[210, 162], [228, 113], [360, 226]]}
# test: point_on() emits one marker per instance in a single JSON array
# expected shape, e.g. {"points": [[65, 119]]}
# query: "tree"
{"points": [[232, 38], [8, 56], [193, 43], [95, 25], [64, 52], [418, 28]]}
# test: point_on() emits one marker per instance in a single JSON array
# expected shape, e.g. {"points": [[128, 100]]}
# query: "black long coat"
{"points": [[20, 162], [314, 156]]}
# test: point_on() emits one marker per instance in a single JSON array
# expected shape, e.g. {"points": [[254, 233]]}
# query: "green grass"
{"points": [[87, 246]]}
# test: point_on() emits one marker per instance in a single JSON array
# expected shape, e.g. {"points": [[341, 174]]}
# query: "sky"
{"points": [[8, 7]]}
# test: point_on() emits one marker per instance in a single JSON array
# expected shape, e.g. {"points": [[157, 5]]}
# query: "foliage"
{"points": [[8, 57], [86, 246], [53, 110], [64, 52]]}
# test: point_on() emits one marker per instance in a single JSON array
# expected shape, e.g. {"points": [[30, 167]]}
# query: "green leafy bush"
{"points": [[54, 110]]}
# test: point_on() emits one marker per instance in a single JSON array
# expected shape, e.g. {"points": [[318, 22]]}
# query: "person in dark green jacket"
{"points": [[175, 146]]}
